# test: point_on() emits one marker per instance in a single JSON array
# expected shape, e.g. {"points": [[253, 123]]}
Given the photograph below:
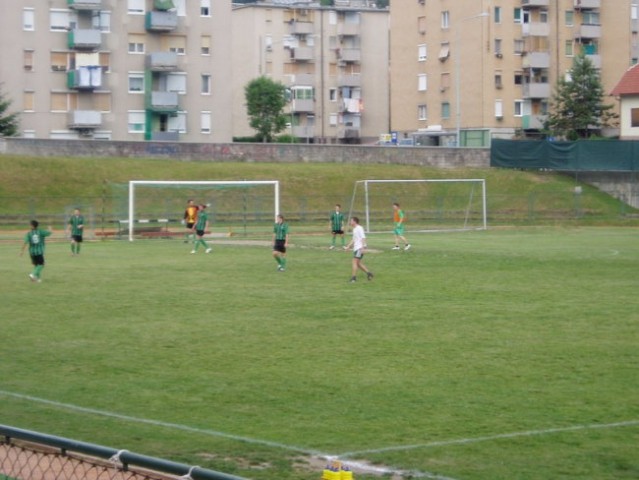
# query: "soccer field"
{"points": [[497, 354]]}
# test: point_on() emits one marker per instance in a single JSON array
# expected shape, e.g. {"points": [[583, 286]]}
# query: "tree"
{"points": [[8, 121], [577, 107], [265, 101]]}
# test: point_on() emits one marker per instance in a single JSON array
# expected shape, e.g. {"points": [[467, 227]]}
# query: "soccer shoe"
{"points": [[33, 277], [407, 247], [281, 269], [208, 250], [396, 247], [193, 251], [332, 247], [352, 280], [369, 275]]}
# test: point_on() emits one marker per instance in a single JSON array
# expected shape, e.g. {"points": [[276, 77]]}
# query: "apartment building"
{"points": [[333, 59], [119, 69], [466, 71]]}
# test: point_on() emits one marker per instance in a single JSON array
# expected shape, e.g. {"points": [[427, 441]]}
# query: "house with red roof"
{"points": [[627, 91]]}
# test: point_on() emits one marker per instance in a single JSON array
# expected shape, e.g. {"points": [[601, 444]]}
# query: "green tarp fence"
{"points": [[584, 155]]}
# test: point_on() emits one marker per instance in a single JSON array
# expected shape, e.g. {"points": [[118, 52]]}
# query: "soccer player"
{"points": [[190, 217], [76, 228], [200, 227], [34, 239], [337, 225], [280, 242], [358, 242], [398, 218]]}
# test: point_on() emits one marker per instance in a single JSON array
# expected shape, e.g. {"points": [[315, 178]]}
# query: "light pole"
{"points": [[457, 73]]}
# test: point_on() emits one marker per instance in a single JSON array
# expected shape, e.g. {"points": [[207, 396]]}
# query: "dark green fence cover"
{"points": [[604, 155]]}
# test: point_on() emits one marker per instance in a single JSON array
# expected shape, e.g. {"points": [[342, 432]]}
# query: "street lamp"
{"points": [[457, 72]]}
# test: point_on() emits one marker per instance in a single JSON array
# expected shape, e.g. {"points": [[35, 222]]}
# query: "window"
{"points": [[421, 25], [634, 12], [569, 18], [498, 51], [422, 112], [205, 88], [205, 47], [104, 60], [444, 51], [180, 6], [498, 80], [497, 14], [61, 20], [332, 94], [101, 21], [444, 81], [136, 43], [63, 102], [332, 120], [445, 19], [205, 122], [176, 82], [136, 82], [136, 121], [422, 82], [28, 100], [519, 108], [59, 61], [499, 109], [543, 16], [518, 46], [517, 15], [28, 19], [102, 101], [177, 123], [569, 48], [445, 110], [421, 53], [634, 117], [27, 60], [519, 78], [135, 7], [205, 8], [176, 44], [304, 93]]}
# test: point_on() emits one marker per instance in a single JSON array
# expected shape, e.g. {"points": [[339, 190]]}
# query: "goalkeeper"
{"points": [[398, 219], [190, 217]]}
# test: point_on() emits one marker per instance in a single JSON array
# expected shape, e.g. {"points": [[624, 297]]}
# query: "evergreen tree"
{"points": [[265, 101], [577, 107], [8, 121]]}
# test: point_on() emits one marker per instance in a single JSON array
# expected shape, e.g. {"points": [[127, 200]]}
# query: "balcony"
{"points": [[348, 29], [302, 80], [84, 119], [536, 60], [535, 29], [302, 54], [587, 4], [162, 61], [163, 5], [536, 90], [159, 21], [85, 78], [535, 3], [348, 133], [163, 102], [349, 81], [303, 106], [165, 136], [588, 31], [84, 39], [349, 54], [301, 28], [533, 122], [304, 131], [84, 4]]}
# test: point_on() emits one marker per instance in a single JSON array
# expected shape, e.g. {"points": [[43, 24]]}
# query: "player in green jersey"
{"points": [[76, 228], [200, 227], [398, 231], [280, 242], [337, 225], [34, 239]]}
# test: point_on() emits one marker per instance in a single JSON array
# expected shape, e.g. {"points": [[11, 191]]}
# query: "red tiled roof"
{"points": [[629, 83]]}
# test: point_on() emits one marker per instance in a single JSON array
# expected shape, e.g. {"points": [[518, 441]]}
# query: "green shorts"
{"points": [[399, 229]]}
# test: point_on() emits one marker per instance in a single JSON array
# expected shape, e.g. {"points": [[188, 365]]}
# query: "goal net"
{"points": [[237, 207], [429, 204]]}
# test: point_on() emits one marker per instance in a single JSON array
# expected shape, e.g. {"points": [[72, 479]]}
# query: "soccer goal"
{"points": [[429, 204], [236, 206]]}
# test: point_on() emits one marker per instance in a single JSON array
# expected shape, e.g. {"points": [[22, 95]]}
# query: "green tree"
{"points": [[265, 101], [8, 121], [577, 109]]}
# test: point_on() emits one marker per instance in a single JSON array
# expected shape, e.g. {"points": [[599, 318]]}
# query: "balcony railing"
{"points": [[588, 31], [533, 122], [84, 39], [348, 29], [85, 78], [587, 4], [535, 3], [349, 54], [536, 90], [84, 4], [162, 61], [301, 28], [84, 119], [161, 101], [302, 105], [165, 136], [535, 29], [159, 21], [348, 132], [536, 60], [303, 54], [302, 79], [349, 81], [304, 131]]}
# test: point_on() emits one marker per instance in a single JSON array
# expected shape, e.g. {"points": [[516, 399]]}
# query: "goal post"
{"points": [[198, 184], [431, 204]]}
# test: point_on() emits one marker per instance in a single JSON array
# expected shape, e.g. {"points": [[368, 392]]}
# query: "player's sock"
{"points": [[283, 262], [77, 248], [38, 270]]}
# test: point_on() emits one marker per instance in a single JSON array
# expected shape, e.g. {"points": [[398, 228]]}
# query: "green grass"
{"points": [[459, 359]]}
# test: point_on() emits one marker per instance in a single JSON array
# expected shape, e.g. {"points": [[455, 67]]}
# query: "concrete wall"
{"points": [[252, 152]]}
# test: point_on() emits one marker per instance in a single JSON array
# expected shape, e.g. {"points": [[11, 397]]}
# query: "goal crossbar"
{"points": [[204, 183], [366, 183]]}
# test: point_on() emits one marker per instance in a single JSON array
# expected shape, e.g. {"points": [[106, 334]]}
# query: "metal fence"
{"points": [[28, 455]]}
